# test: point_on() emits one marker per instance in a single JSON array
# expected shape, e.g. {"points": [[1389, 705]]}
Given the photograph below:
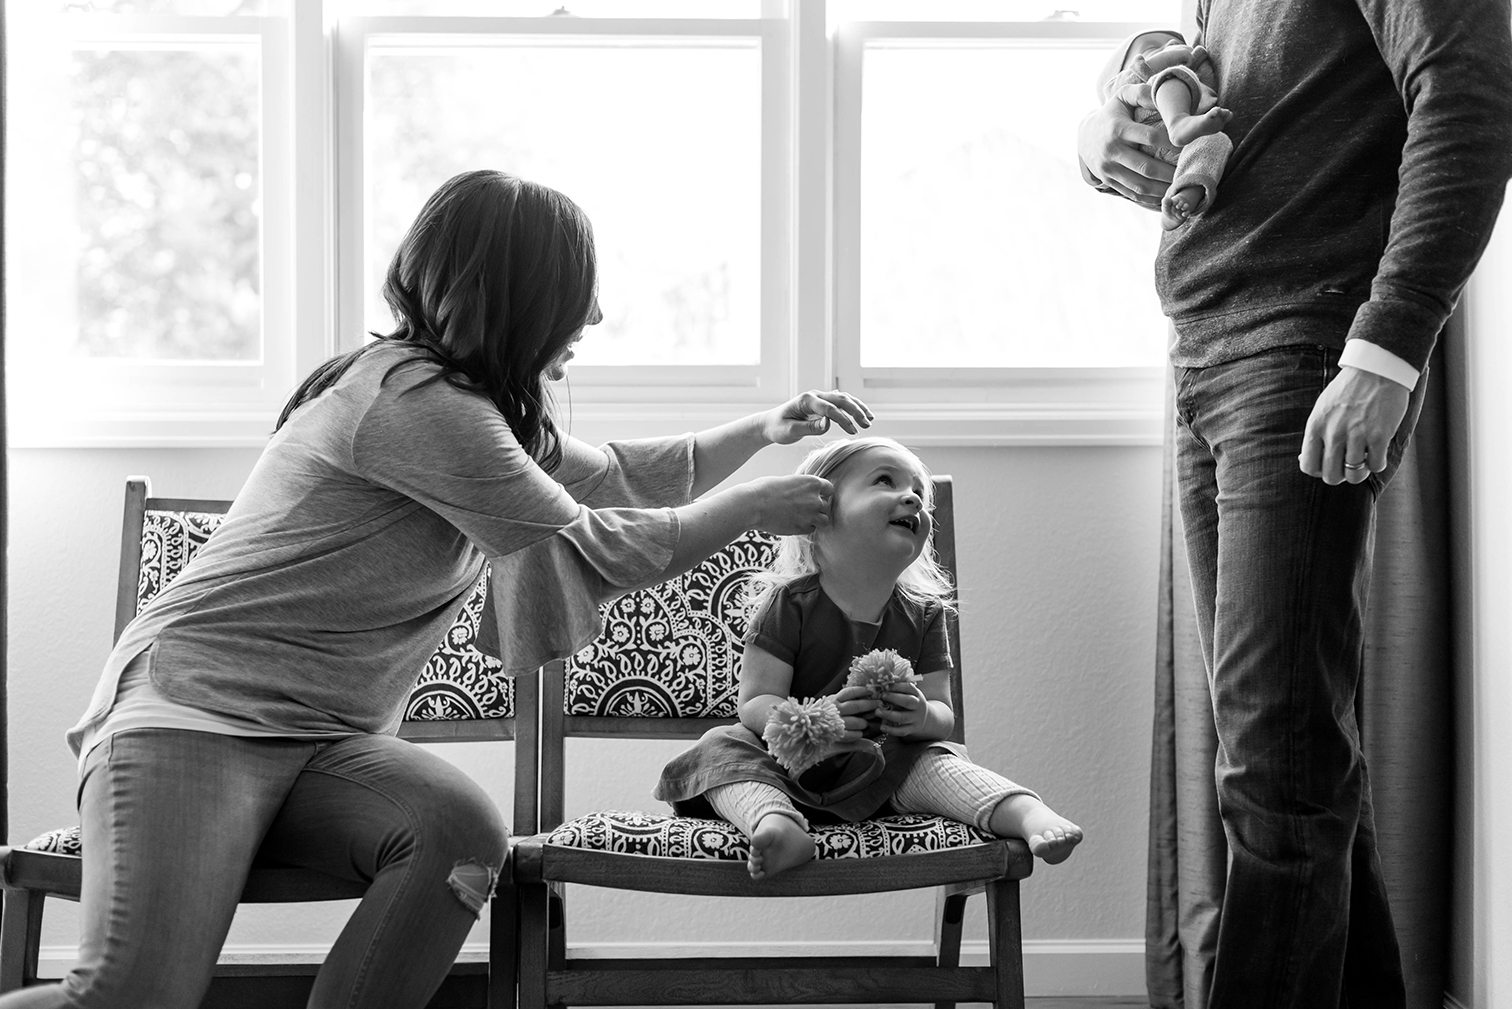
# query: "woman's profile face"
{"points": [[557, 369]]}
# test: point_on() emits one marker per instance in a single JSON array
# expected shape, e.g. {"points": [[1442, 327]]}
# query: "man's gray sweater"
{"points": [[1372, 147]]}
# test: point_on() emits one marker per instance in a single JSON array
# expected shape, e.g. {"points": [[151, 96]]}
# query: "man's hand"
{"points": [[1106, 142], [1351, 426]]}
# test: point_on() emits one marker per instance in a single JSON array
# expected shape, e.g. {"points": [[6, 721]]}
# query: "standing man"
{"points": [[1372, 146]]}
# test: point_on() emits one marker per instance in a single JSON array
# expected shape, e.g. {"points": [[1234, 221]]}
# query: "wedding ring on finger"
{"points": [[1354, 465]]}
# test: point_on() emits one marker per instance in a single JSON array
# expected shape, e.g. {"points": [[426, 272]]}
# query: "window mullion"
{"points": [[314, 189], [845, 263], [812, 165]]}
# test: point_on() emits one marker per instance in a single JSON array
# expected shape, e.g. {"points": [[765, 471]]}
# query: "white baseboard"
{"points": [[1051, 966]]}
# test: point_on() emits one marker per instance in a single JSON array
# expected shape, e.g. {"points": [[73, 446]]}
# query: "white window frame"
{"points": [[313, 67], [972, 405], [113, 402]]}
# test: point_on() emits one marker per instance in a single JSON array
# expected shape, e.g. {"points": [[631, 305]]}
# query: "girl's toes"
{"points": [[1054, 844]]}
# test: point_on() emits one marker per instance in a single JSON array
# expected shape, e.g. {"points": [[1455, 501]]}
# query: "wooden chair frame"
{"points": [[30, 877], [548, 977]]}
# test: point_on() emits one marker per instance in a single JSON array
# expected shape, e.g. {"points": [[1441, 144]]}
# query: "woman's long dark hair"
{"points": [[491, 282]]}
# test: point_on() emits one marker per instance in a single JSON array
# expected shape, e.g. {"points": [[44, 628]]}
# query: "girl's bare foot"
{"points": [[778, 844], [1050, 835], [1188, 128]]}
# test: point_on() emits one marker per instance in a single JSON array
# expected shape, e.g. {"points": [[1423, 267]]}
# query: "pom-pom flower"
{"points": [[879, 670], [799, 732]]}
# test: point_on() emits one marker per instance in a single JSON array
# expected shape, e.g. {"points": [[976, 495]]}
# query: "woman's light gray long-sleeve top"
{"points": [[348, 553]]}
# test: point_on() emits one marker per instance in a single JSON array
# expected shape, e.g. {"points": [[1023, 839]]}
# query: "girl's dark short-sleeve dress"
{"points": [[802, 626]]}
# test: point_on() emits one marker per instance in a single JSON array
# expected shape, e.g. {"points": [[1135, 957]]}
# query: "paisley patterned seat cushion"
{"points": [[686, 837], [63, 841]]}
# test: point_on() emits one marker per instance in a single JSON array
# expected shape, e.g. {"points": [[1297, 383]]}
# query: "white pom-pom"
{"points": [[878, 670], [799, 732]]}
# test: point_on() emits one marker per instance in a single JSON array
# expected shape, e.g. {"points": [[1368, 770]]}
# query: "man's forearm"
{"points": [[1454, 64]]}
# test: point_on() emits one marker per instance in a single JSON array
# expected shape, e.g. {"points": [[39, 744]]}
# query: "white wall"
{"points": [[1058, 568], [1487, 366]]}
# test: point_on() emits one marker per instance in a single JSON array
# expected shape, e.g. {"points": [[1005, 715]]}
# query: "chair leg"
{"points": [[503, 946], [1006, 938], [20, 938], [950, 910], [535, 923], [556, 949]]}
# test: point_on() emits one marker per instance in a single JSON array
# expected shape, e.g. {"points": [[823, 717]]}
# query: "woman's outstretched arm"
{"points": [[785, 505], [722, 450]]}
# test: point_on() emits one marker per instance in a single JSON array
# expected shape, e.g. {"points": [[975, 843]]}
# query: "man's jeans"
{"points": [[1280, 565], [172, 819]]}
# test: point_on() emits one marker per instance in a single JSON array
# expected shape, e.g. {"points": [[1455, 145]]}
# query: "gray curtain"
{"points": [[4, 481], [1405, 712]]}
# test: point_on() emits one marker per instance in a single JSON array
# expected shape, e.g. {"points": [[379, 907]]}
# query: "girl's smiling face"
{"points": [[878, 513]]}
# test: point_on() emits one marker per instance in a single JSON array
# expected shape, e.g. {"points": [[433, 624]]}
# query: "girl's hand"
{"points": [[812, 413], [903, 710], [793, 505], [855, 705]]}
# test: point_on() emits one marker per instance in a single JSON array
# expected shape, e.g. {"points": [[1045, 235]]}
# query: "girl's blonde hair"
{"points": [[923, 581]]}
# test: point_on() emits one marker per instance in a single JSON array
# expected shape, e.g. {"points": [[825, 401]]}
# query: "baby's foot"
{"points": [[1050, 835], [778, 844], [1179, 206], [1188, 128]]}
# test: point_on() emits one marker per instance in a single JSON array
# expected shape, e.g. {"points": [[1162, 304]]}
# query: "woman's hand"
{"points": [[793, 505], [812, 413], [1108, 144], [904, 710], [855, 704]]}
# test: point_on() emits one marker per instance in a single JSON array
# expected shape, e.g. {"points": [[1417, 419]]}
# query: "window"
{"points": [[785, 193], [148, 210], [978, 288], [656, 127]]}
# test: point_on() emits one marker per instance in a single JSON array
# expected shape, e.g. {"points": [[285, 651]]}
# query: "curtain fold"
{"points": [[1406, 725], [4, 473]]}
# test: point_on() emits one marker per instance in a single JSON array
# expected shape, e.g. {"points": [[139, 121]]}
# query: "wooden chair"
{"points": [[461, 694], [666, 668]]}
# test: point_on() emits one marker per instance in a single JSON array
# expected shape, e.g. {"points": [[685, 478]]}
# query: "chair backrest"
{"points": [[667, 664], [460, 694]]}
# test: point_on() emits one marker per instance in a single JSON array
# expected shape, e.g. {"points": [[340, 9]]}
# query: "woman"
{"points": [[249, 709]]}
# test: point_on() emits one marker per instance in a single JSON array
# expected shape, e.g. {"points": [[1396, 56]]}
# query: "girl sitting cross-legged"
{"points": [[867, 580]]}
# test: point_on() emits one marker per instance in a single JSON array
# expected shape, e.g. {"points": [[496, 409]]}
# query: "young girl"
{"points": [[867, 580]]}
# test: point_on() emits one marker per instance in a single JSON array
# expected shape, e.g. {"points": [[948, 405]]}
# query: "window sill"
{"points": [[932, 424]]}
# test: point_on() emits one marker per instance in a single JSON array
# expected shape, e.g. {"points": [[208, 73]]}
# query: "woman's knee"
{"points": [[457, 818], [461, 831]]}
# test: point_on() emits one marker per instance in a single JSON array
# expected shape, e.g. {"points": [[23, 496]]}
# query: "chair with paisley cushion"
{"points": [[461, 694], [666, 667]]}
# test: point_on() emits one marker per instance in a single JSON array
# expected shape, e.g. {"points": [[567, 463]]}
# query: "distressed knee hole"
{"points": [[473, 883]]}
